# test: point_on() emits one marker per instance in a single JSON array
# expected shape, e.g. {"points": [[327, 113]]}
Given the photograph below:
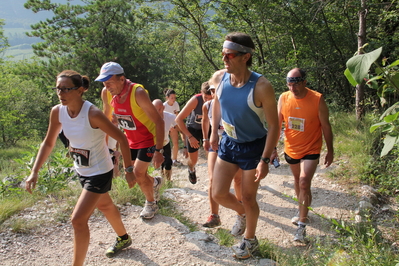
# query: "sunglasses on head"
{"points": [[65, 89], [231, 55]]}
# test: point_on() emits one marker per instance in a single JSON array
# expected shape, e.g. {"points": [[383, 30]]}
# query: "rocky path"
{"points": [[165, 241]]}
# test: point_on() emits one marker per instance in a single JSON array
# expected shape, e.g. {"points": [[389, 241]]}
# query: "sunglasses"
{"points": [[231, 55], [65, 89]]}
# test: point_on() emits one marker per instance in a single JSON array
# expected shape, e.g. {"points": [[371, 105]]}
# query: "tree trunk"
{"points": [[361, 40]]}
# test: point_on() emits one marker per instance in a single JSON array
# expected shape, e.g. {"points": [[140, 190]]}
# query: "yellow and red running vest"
{"points": [[139, 128]]}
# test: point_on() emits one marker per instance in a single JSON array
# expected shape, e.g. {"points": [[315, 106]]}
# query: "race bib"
{"points": [[126, 122], [80, 156], [297, 124], [198, 119], [229, 129]]}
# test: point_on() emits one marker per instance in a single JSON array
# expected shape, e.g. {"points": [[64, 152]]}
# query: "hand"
{"points": [[130, 179], [193, 142], [274, 156], [206, 144], [329, 159], [157, 160], [261, 171], [114, 120], [214, 142], [30, 182]]}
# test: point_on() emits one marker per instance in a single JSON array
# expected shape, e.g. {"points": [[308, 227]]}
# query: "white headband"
{"points": [[237, 47]]}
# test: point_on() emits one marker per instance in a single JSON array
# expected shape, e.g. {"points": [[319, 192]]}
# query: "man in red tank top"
{"points": [[130, 104], [306, 118]]}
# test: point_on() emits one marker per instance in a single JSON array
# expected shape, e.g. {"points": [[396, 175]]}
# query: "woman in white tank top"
{"points": [[85, 126]]}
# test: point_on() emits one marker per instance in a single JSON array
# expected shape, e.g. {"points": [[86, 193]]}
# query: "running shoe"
{"points": [[295, 219], [239, 226], [177, 163], [118, 246], [213, 221], [300, 234], [149, 210], [246, 249], [192, 177], [157, 194]]}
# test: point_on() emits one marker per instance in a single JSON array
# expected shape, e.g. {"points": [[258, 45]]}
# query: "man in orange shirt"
{"points": [[306, 118]]}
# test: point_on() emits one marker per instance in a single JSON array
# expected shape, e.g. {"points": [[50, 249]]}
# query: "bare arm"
{"points": [[107, 109], [265, 97], [99, 120], [216, 115], [143, 100], [45, 148], [190, 105], [205, 126], [327, 131]]}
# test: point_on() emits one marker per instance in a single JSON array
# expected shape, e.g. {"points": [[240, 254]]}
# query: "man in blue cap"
{"points": [[128, 103]]}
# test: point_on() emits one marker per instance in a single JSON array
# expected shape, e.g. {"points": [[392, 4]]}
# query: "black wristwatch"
{"points": [[266, 160], [159, 150], [129, 169]]}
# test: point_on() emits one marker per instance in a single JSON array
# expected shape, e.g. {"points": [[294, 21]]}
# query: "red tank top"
{"points": [[138, 127]]}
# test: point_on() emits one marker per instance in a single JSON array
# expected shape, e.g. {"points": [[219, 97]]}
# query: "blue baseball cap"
{"points": [[108, 70]]}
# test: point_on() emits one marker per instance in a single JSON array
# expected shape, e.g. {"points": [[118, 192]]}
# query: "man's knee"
{"points": [[249, 199], [305, 183]]}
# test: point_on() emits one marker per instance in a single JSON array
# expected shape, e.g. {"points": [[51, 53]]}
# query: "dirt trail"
{"points": [[165, 241]]}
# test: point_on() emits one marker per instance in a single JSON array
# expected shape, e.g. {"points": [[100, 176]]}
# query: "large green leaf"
{"points": [[348, 75], [389, 141], [359, 65]]}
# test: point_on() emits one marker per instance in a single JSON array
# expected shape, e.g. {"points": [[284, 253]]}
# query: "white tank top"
{"points": [[88, 147]]}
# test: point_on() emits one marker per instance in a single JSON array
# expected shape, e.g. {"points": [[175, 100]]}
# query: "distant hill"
{"points": [[18, 20]]}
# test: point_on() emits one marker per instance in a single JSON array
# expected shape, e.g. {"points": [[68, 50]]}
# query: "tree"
{"points": [[3, 40], [24, 108]]}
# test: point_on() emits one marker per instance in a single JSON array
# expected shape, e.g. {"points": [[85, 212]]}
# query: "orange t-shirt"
{"points": [[303, 134]]}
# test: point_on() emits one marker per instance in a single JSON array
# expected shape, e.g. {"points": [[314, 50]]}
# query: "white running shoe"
{"points": [[149, 210], [295, 219], [239, 226], [300, 234]]}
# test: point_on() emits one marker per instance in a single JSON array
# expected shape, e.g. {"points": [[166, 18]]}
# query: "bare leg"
{"points": [[174, 135], [85, 206], [249, 192], [303, 175], [145, 181], [237, 185], [192, 160], [111, 212], [223, 174], [211, 163]]}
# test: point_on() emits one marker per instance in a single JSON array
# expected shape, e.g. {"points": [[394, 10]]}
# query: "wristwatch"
{"points": [[159, 150], [129, 169], [266, 160]]}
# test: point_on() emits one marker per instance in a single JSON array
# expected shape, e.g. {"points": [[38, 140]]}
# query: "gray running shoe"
{"points": [[246, 249], [118, 246], [239, 226], [300, 234], [157, 195], [177, 163], [149, 210]]}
